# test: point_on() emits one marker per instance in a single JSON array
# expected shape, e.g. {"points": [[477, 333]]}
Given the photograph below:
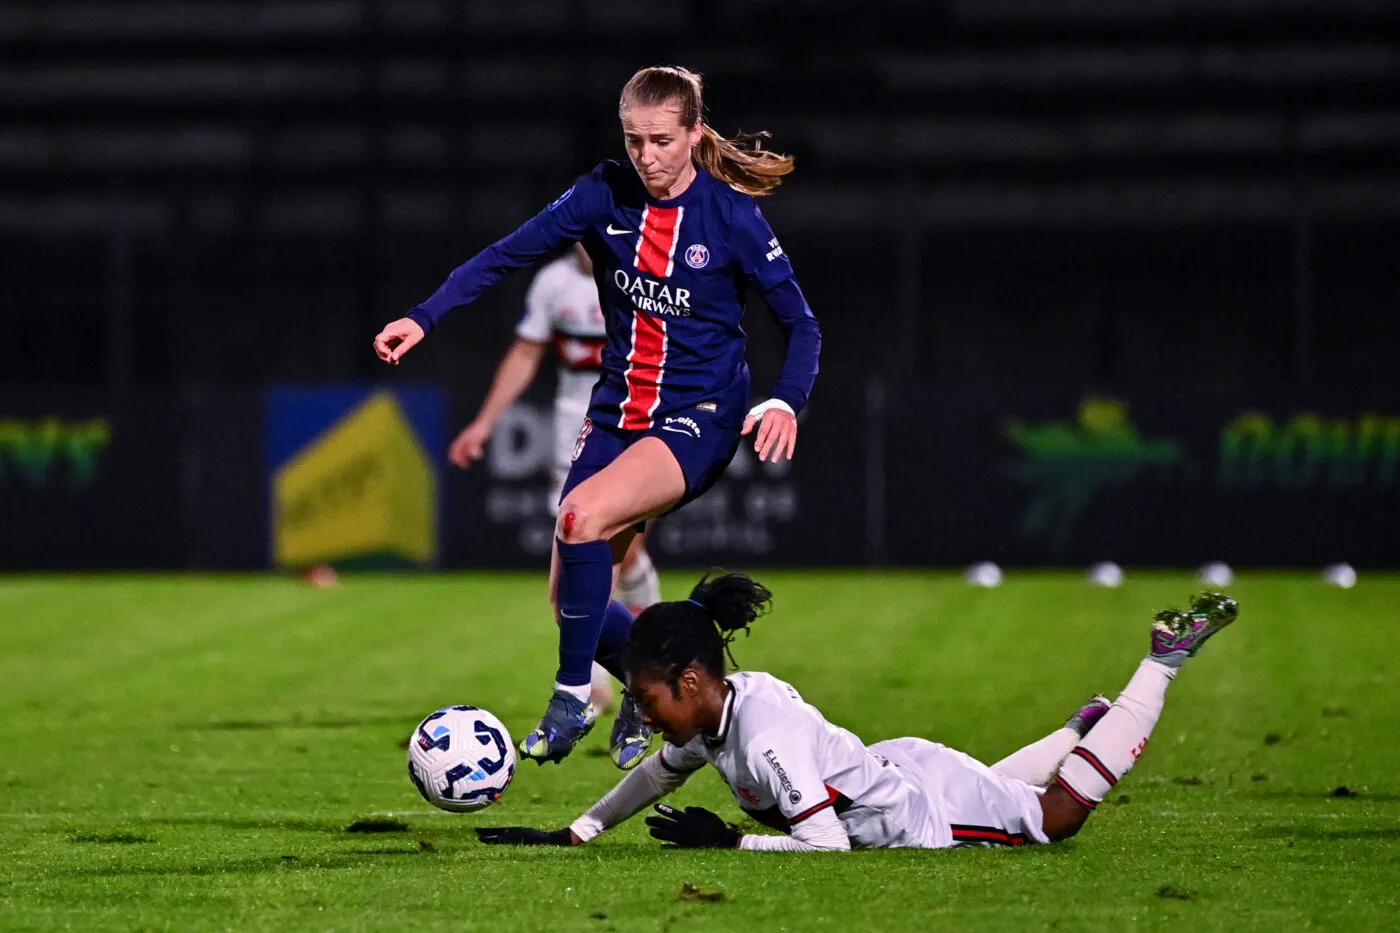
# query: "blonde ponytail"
{"points": [[740, 162]]}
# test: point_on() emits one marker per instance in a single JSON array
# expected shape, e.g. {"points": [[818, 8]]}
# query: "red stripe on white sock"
{"points": [[1097, 765], [987, 835], [1079, 798]]}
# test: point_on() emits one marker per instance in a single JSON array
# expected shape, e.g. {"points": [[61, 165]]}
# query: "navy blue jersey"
{"points": [[672, 278]]}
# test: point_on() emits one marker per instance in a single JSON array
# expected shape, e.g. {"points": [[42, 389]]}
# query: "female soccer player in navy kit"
{"points": [[677, 242]]}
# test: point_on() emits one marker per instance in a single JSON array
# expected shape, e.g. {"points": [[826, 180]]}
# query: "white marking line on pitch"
{"points": [[1172, 814], [143, 817]]}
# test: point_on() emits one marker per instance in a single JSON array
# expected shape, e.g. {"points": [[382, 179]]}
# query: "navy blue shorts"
{"points": [[702, 442]]}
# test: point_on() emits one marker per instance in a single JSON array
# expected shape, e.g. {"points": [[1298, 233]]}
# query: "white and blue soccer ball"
{"points": [[461, 759]]}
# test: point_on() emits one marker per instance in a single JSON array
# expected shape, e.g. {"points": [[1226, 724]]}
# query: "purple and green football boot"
{"points": [[1088, 715], [1178, 635]]}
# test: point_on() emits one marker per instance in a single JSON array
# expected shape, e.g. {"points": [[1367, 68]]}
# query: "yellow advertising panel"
{"points": [[364, 489]]}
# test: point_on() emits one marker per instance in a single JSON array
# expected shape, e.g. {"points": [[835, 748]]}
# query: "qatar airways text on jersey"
{"points": [[672, 278]]}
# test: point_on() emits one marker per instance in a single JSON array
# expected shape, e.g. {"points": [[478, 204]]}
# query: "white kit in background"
{"points": [[562, 309]]}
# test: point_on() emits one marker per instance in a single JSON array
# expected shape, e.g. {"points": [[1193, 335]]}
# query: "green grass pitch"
{"points": [[185, 753]]}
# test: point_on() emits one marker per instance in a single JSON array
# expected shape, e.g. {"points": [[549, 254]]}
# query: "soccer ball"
{"points": [[461, 759]]}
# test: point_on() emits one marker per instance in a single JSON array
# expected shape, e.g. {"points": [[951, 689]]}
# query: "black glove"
{"points": [[692, 828], [524, 836]]}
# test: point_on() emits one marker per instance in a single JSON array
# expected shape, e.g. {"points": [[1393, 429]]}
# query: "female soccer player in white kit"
{"points": [[791, 769], [562, 310]]}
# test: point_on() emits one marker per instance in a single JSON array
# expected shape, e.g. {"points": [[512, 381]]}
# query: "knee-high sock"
{"points": [[617, 624], [1113, 746], [585, 586], [1037, 763]]}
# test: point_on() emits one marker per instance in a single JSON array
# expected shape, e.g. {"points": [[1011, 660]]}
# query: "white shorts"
{"points": [[569, 413], [974, 804]]}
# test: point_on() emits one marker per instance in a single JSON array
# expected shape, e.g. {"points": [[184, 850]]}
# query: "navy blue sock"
{"points": [[617, 624], [585, 587]]}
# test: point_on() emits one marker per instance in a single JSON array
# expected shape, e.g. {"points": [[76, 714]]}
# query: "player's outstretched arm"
{"points": [[562, 222], [639, 789], [525, 836], [515, 373], [396, 339], [533, 240]]}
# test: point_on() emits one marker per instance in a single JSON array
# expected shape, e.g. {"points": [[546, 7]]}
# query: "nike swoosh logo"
{"points": [[571, 616], [616, 232], [667, 427]]}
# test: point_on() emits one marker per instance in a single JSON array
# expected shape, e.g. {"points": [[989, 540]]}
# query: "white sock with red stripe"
{"points": [[1113, 746], [1037, 763], [600, 688], [638, 585]]}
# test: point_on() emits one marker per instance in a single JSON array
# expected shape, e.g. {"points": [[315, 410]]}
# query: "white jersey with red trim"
{"points": [[561, 308], [784, 762]]}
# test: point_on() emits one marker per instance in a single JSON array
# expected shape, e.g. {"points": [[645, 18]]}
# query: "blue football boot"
{"points": [[631, 738], [567, 720]]}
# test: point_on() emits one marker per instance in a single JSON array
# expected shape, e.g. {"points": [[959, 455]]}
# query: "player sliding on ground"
{"points": [[792, 770]]}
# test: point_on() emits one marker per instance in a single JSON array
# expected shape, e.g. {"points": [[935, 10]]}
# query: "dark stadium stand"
{"points": [[1172, 180]]}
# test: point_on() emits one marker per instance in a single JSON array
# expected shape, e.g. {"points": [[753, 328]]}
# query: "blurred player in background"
{"points": [[677, 243], [792, 770], [561, 309]]}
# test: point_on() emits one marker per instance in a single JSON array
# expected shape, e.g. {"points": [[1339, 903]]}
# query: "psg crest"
{"points": [[697, 256]]}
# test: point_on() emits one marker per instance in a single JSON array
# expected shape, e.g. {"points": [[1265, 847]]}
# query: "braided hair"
{"points": [[667, 638]]}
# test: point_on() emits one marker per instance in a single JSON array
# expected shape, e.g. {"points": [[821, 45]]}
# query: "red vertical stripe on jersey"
{"points": [[656, 255], [656, 247], [645, 365]]}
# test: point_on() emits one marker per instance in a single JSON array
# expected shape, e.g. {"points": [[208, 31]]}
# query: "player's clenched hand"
{"points": [[692, 828], [524, 836], [777, 432], [470, 445], [396, 339]]}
